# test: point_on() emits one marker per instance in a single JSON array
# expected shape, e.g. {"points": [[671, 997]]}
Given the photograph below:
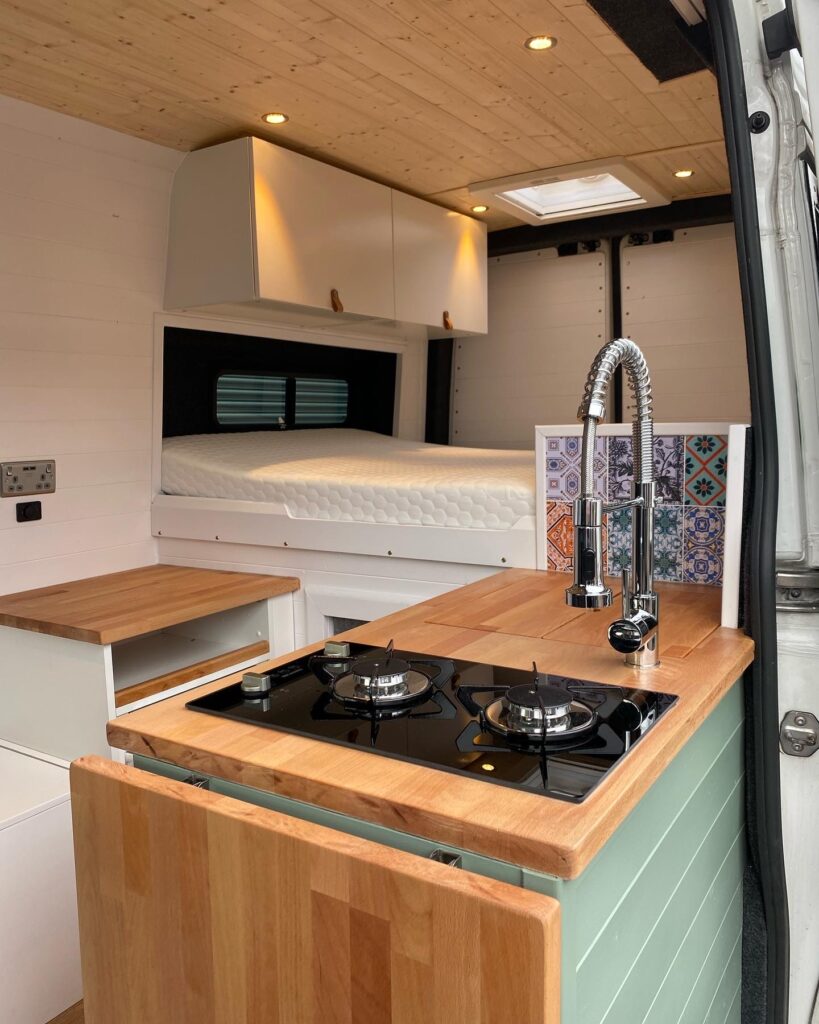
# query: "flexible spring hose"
{"points": [[619, 351]]}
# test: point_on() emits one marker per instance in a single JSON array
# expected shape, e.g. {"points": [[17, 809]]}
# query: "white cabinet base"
{"points": [[39, 940]]}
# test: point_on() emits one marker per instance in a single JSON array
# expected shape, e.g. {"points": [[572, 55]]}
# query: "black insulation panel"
{"points": [[657, 35], [194, 359]]}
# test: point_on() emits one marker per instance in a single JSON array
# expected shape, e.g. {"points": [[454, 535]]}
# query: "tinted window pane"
{"points": [[247, 399], [321, 403]]}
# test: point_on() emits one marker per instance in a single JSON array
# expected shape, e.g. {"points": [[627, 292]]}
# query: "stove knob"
{"points": [[256, 684]]}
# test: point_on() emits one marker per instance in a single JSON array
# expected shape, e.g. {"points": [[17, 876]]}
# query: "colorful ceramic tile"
{"points": [[668, 468], [704, 543], [619, 541], [560, 537], [563, 468], [706, 469], [668, 543]]}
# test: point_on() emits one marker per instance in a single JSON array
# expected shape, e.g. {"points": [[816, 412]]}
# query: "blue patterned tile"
{"points": [[668, 468], [706, 469], [668, 543], [618, 555], [563, 468], [704, 540]]}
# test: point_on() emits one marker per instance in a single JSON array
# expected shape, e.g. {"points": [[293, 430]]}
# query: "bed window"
{"points": [[280, 400], [321, 402], [245, 398]]}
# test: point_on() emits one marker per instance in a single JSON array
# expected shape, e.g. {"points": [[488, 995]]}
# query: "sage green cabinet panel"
{"points": [[717, 908]]}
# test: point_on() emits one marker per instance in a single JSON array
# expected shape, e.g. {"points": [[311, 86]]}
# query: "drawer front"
{"points": [[196, 908]]}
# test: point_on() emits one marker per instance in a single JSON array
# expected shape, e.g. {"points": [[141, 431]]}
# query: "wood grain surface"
{"points": [[521, 827], [168, 680], [421, 95], [73, 1015], [104, 609], [199, 909]]}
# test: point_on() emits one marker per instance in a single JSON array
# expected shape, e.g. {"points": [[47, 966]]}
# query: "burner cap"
{"points": [[551, 701], [539, 713], [381, 680]]}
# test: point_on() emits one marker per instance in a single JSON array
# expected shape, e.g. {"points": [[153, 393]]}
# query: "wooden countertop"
{"points": [[511, 619], [103, 609]]}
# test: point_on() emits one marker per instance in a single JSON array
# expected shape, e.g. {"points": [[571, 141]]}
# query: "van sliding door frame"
{"points": [[765, 824]]}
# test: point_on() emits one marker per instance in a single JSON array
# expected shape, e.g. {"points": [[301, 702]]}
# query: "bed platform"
{"points": [[350, 491]]}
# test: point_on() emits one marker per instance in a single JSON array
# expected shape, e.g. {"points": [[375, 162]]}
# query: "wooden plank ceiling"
{"points": [[426, 95]]}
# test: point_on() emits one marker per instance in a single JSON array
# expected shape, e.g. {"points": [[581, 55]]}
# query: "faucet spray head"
{"points": [[589, 590]]}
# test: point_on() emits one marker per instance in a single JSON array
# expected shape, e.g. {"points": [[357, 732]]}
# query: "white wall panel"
{"points": [[682, 305], [548, 315], [83, 222]]}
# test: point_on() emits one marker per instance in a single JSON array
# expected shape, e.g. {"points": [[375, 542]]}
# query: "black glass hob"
{"points": [[527, 729]]}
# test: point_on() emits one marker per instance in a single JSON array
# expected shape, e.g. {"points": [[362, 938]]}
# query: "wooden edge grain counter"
{"points": [[507, 619], [276, 919], [123, 605]]}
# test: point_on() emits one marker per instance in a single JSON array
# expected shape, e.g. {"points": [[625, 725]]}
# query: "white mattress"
{"points": [[355, 476]]}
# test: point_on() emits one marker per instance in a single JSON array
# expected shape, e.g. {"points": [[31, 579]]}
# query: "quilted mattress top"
{"points": [[355, 476]]}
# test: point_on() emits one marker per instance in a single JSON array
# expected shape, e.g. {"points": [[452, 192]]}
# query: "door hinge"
{"points": [[797, 590], [799, 734], [453, 860], [197, 781]]}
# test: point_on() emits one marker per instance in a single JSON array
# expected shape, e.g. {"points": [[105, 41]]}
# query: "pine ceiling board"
{"points": [[427, 95], [494, 90], [550, 83]]}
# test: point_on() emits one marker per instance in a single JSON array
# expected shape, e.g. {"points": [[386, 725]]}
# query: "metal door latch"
{"points": [[799, 733], [797, 590]]}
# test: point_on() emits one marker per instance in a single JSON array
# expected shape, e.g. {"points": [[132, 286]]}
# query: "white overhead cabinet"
{"points": [[260, 231], [320, 229], [440, 267]]}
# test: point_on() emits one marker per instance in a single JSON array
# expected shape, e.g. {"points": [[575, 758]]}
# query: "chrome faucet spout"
{"points": [[636, 634]]}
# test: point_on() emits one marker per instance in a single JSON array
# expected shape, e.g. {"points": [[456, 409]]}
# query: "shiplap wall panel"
{"points": [[548, 315], [682, 305], [83, 221]]}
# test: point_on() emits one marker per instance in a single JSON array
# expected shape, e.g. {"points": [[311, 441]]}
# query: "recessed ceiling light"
{"points": [[683, 172], [540, 43], [480, 208], [276, 117]]}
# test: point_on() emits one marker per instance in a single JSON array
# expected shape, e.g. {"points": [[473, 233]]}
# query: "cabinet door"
{"points": [[440, 265], [200, 909], [319, 228]]}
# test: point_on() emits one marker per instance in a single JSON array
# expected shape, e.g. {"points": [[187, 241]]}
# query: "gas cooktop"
{"points": [[526, 729]]}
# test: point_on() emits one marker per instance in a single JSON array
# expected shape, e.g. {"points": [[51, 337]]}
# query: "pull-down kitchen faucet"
{"points": [[636, 633]]}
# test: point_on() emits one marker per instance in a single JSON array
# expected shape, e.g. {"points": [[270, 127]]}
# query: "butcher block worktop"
{"points": [[122, 605], [511, 619]]}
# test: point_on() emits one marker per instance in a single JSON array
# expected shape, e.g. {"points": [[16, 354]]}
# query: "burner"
{"points": [[539, 712], [380, 681]]}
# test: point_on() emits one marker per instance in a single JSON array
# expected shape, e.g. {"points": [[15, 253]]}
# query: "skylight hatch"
{"points": [[571, 193]]}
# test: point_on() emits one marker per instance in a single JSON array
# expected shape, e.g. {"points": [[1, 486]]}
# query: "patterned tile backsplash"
{"points": [[689, 523]]}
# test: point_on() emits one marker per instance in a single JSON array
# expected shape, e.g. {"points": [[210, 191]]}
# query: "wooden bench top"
{"points": [[104, 609], [508, 619]]}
